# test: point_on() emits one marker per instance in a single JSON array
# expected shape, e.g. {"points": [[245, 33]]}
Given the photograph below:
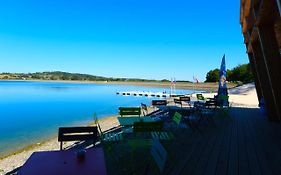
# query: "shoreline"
{"points": [[17, 158], [54, 137], [210, 87]]}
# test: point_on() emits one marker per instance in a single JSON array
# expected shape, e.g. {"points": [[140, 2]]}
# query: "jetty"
{"points": [[148, 94]]}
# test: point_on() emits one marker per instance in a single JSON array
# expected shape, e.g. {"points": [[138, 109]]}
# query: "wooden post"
{"points": [[265, 81], [272, 60], [256, 75]]}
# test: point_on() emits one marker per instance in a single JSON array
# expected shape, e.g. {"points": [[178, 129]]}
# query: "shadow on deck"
{"points": [[244, 142]]}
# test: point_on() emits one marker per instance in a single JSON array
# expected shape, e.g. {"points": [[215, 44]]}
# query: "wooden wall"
{"points": [[261, 26]]}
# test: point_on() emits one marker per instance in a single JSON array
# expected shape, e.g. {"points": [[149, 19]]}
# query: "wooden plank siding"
{"points": [[261, 27]]}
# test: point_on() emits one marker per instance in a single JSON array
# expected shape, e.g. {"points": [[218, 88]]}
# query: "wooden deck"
{"points": [[242, 143]]}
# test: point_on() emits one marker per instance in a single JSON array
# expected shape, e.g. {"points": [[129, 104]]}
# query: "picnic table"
{"points": [[65, 162]]}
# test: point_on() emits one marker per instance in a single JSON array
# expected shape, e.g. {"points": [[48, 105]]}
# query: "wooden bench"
{"points": [[178, 102], [159, 102], [77, 134], [182, 99], [144, 109], [186, 99], [123, 111]]}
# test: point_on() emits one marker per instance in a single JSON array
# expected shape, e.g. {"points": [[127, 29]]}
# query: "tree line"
{"points": [[241, 73], [58, 75]]}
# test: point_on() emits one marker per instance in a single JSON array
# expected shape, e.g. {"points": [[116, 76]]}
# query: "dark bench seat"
{"points": [[77, 134]]}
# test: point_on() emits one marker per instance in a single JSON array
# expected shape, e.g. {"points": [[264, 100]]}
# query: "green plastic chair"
{"points": [[158, 159], [110, 136], [162, 135], [108, 140], [137, 146], [177, 118], [159, 154], [176, 123], [200, 97]]}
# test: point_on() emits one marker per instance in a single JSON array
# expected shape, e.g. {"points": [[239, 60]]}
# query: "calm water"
{"points": [[32, 111]]}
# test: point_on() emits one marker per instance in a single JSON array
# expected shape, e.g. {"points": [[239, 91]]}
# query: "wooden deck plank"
{"points": [[182, 156], [208, 147], [233, 152], [222, 165], [261, 155], [249, 155], [269, 143], [244, 143], [243, 162], [212, 159], [189, 154], [199, 154]]}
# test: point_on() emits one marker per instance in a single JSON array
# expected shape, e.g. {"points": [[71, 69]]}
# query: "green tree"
{"points": [[213, 75], [241, 73]]}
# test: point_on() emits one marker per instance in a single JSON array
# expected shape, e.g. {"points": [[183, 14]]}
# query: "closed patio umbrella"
{"points": [[222, 90]]}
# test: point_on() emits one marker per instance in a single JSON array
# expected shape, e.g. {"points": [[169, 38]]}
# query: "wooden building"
{"points": [[261, 27]]}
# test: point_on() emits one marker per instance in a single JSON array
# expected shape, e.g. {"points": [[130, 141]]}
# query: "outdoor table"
{"points": [[129, 121], [65, 163], [186, 112]]}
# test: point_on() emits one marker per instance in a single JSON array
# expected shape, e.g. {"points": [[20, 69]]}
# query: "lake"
{"points": [[32, 111]]}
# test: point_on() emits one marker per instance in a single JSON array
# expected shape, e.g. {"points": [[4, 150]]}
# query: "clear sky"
{"points": [[155, 39]]}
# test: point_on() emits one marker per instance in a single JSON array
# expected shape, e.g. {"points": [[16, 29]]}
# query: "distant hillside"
{"points": [[66, 76]]}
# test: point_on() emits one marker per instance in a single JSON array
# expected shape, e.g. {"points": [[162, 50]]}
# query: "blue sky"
{"points": [[155, 39]]}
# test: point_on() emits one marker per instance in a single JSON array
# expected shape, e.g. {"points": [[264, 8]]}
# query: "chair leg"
{"points": [[60, 145]]}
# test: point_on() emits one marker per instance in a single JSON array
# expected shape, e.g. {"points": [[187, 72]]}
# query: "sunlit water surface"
{"points": [[31, 112]]}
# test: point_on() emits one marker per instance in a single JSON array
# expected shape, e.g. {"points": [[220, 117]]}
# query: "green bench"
{"points": [[154, 128], [132, 111]]}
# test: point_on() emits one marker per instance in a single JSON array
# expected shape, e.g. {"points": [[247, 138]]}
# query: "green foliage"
{"points": [[241, 73], [213, 75], [165, 80], [57, 75]]}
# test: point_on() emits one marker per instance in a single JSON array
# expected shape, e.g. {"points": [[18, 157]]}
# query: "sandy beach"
{"points": [[210, 87], [240, 96], [243, 96]]}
